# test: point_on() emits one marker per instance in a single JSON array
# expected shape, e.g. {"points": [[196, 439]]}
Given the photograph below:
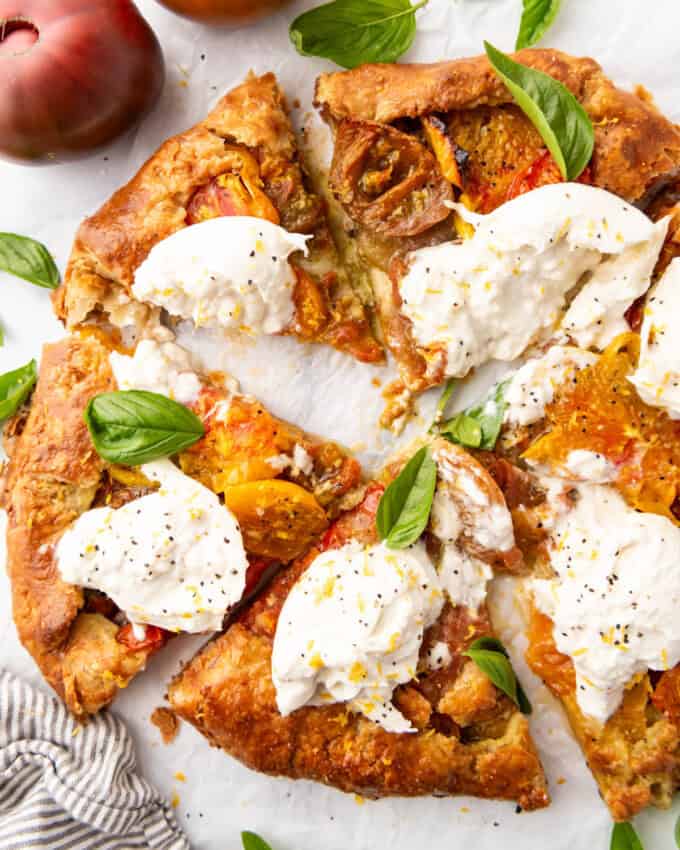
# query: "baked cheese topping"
{"points": [[162, 368], [351, 628], [657, 377], [584, 465], [491, 296], [230, 272], [173, 558], [614, 600], [533, 385]]}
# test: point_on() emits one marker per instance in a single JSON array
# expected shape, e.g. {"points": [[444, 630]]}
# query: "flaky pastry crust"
{"points": [[470, 738], [250, 120]]}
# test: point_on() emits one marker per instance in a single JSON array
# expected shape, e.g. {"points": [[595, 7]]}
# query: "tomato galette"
{"points": [[108, 561], [147, 498], [219, 227], [424, 155], [355, 668]]}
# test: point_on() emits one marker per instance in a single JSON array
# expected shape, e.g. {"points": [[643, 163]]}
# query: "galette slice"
{"points": [[219, 227], [431, 169], [106, 562], [597, 515], [351, 668]]}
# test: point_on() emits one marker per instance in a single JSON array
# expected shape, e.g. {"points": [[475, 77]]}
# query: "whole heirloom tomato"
{"points": [[223, 11], [75, 74]]}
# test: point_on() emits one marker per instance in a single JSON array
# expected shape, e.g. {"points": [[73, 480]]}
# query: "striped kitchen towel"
{"points": [[67, 787]]}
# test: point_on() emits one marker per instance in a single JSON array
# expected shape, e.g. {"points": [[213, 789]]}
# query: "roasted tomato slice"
{"points": [[154, 638], [541, 172], [256, 569], [387, 180], [237, 191], [357, 524]]}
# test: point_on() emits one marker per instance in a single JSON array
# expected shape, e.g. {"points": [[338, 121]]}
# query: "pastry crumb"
{"points": [[167, 723]]}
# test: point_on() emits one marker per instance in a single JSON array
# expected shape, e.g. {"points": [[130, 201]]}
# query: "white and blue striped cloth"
{"points": [[66, 787]]}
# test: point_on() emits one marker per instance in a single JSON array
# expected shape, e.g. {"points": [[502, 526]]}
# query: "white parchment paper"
{"points": [[323, 391]]}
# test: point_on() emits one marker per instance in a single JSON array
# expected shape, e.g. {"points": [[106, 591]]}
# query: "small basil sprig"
{"points": [[537, 17], [492, 658], [443, 402], [352, 32], [560, 119], [405, 505], [132, 427], [28, 259], [15, 387], [478, 427], [252, 841], [624, 837]]}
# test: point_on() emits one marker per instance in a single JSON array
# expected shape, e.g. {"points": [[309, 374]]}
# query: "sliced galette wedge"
{"points": [[107, 561], [427, 158], [219, 227], [596, 515], [352, 666]]}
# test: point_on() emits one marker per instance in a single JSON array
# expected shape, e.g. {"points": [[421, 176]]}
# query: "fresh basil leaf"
{"points": [[132, 427], [442, 404], [405, 505], [28, 259], [492, 658], [15, 387], [552, 109], [624, 837], [677, 833], [352, 32], [465, 430], [478, 427], [537, 17], [252, 841]]}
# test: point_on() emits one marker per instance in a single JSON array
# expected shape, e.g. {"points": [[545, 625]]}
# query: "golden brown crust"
{"points": [[637, 153], [251, 120], [52, 478], [635, 756], [54, 475], [635, 145], [471, 738]]}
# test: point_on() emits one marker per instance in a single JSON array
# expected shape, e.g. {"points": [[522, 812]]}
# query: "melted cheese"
{"points": [[162, 368], [351, 629], [173, 558], [230, 272], [533, 385], [657, 377], [615, 596], [491, 296]]}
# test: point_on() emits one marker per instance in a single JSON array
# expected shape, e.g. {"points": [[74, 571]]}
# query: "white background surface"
{"points": [[637, 42]]}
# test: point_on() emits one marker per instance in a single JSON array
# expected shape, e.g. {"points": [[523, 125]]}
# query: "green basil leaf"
{"points": [[132, 427], [442, 404], [624, 837], [405, 505], [15, 387], [492, 658], [677, 833], [465, 430], [537, 17], [252, 841], [28, 259], [352, 32], [553, 110], [478, 427]]}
